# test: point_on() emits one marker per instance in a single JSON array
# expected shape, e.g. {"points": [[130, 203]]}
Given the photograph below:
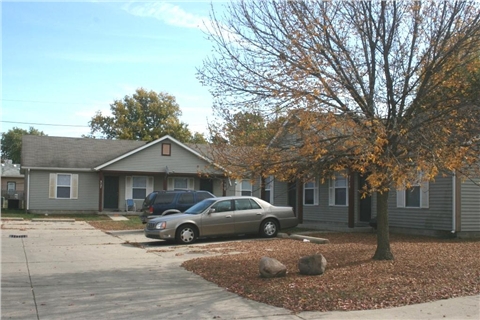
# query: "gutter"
{"points": [[60, 169], [454, 203], [28, 189]]}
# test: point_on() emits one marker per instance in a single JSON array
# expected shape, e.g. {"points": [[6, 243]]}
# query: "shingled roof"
{"points": [[81, 153]]}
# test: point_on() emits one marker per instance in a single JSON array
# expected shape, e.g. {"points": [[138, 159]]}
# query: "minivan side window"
{"points": [[185, 198], [165, 198]]}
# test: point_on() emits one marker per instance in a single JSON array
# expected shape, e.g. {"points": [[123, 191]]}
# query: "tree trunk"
{"points": [[383, 240]]}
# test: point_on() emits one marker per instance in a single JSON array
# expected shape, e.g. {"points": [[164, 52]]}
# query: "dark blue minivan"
{"points": [[161, 203]]}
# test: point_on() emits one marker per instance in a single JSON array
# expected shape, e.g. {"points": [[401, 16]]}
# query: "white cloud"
{"points": [[166, 12]]}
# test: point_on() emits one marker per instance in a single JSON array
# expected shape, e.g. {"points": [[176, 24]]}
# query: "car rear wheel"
{"points": [[269, 228], [186, 234]]}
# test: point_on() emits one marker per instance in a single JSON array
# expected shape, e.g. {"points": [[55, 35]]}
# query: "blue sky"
{"points": [[63, 61]]}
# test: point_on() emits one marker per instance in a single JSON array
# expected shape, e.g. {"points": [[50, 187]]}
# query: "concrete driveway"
{"points": [[69, 270]]}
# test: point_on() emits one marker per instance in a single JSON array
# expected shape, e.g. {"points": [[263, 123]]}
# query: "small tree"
{"points": [[146, 116], [376, 87], [12, 143]]}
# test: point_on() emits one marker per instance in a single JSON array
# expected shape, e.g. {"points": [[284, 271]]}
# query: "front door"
{"points": [[206, 185], [110, 193], [365, 203], [292, 195]]}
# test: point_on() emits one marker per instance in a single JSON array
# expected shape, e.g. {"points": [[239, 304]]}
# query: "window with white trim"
{"points": [[139, 187], [416, 196], [310, 193], [269, 189], [246, 188], [338, 191], [63, 186], [181, 183]]}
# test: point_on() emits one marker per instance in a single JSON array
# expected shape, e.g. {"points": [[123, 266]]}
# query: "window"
{"points": [[223, 206], [415, 197], [139, 187], [11, 187], [186, 198], [338, 191], [166, 149], [246, 204], [412, 197], [310, 193], [246, 188], [181, 183], [269, 189], [63, 186]]}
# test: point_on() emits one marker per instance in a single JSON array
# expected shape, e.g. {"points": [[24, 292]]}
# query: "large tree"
{"points": [[380, 87], [12, 143], [146, 116]]}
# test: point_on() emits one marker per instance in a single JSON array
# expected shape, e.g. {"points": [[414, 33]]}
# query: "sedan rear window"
{"points": [[246, 204]]}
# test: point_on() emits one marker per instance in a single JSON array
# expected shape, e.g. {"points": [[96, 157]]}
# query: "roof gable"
{"points": [[166, 138]]}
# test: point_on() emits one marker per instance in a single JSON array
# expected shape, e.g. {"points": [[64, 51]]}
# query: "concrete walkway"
{"points": [[69, 270]]}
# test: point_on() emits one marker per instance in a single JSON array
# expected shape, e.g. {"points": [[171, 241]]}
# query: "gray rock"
{"points": [[312, 265], [271, 268]]}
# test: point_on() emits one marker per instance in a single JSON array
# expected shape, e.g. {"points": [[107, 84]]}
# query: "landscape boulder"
{"points": [[271, 268], [312, 265]]}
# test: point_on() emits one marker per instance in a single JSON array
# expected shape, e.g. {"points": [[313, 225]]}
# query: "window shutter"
{"points": [[52, 186], [74, 190], [149, 185], [191, 184], [400, 198], [170, 184], [238, 187], [128, 187], [331, 192], [424, 194]]}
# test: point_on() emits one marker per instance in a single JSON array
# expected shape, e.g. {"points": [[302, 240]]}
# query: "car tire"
{"points": [[186, 234], [269, 228]]}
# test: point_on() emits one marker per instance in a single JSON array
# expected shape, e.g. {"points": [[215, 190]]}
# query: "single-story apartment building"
{"points": [[95, 175]]}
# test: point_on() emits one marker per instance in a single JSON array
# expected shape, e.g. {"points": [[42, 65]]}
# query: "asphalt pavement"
{"points": [[69, 270]]}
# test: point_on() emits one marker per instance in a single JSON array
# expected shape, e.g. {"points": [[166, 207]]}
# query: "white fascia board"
{"points": [[60, 169], [167, 137]]}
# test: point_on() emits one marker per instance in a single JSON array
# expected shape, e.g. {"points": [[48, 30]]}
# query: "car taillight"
{"points": [[150, 209]]}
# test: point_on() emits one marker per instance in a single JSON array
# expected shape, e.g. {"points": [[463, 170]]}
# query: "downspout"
{"points": [[28, 189], [454, 203]]}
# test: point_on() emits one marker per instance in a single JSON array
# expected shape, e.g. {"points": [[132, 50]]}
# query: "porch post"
{"points": [[299, 187], [100, 191], [351, 200]]}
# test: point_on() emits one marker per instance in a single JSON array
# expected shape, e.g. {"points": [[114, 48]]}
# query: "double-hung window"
{"points": [[338, 191], [139, 187], [181, 183], [310, 193], [416, 196], [63, 186], [246, 188]]}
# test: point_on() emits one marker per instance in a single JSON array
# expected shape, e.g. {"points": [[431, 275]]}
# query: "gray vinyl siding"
{"points": [[470, 205], [151, 160], [280, 193], [438, 216], [87, 193]]}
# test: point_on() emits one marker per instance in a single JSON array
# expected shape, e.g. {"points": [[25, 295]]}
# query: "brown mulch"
{"points": [[425, 269]]}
